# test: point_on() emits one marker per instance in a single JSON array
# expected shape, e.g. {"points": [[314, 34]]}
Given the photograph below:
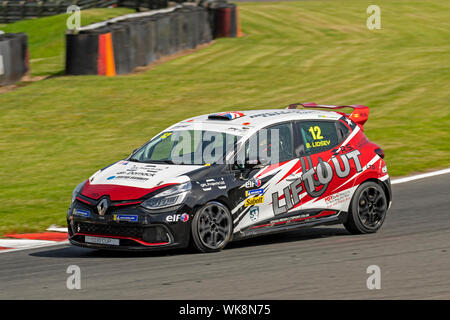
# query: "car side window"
{"points": [[317, 136], [342, 131], [281, 134]]}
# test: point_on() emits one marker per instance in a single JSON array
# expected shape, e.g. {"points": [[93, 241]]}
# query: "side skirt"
{"points": [[292, 223]]}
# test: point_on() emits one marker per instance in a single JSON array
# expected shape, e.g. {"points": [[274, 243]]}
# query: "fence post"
{"points": [[5, 11], [40, 8]]}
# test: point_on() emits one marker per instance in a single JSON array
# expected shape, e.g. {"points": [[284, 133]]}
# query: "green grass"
{"points": [[55, 133], [46, 37]]}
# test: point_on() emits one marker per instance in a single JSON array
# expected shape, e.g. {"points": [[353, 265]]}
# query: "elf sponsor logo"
{"points": [[252, 183], [125, 217], [315, 181], [178, 217], [254, 192], [252, 201]]}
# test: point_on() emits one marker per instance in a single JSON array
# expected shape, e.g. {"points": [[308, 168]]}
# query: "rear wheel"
{"points": [[211, 227], [368, 209]]}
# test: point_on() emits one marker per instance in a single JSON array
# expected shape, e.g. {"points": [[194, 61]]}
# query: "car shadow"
{"points": [[291, 236], [77, 252]]}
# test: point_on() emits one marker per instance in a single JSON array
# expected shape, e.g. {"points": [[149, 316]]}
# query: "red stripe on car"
{"points": [[117, 192]]}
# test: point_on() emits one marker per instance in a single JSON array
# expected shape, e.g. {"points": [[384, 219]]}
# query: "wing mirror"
{"points": [[256, 164]]}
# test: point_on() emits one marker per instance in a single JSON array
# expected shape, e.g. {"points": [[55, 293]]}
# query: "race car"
{"points": [[226, 176]]}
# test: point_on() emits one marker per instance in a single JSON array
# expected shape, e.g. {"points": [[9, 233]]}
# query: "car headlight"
{"points": [[168, 198], [77, 190]]}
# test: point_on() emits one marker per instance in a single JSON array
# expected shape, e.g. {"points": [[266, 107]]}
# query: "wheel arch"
{"points": [[383, 185]]}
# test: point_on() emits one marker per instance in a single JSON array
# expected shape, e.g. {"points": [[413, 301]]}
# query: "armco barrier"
{"points": [[13, 57], [121, 44]]}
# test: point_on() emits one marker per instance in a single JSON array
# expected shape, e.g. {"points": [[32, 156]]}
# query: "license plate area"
{"points": [[99, 240]]}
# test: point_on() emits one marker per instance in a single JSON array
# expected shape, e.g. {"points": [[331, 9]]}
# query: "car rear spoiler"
{"points": [[359, 115]]}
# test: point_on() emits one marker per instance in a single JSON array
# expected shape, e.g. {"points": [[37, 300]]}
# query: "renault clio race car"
{"points": [[226, 176]]}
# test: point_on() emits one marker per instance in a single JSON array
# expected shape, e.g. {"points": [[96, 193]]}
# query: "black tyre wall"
{"points": [[137, 41], [14, 56], [81, 54]]}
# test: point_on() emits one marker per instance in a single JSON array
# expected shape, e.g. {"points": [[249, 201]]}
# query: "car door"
{"points": [[275, 148], [318, 146]]}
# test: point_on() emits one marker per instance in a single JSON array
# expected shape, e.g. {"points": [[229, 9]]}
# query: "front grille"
{"points": [[102, 229]]}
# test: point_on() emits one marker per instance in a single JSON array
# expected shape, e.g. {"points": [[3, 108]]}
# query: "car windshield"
{"points": [[196, 147]]}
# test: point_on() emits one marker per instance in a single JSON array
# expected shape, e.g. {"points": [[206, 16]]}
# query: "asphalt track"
{"points": [[412, 250]]}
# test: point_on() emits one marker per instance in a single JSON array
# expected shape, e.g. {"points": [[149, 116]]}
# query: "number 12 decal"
{"points": [[316, 132]]}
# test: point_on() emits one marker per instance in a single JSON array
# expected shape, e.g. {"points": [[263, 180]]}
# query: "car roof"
{"points": [[247, 122]]}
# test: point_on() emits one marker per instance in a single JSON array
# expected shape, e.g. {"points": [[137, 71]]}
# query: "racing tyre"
{"points": [[211, 227], [368, 209]]}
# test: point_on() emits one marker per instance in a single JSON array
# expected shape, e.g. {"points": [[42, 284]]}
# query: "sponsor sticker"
{"points": [[254, 214], [98, 240], [165, 135], [254, 192], [125, 217], [316, 144], [252, 183], [252, 201], [208, 184], [177, 217], [81, 213]]}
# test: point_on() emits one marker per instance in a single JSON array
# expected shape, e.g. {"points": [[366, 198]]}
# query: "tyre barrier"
{"points": [[224, 20], [13, 57], [119, 45]]}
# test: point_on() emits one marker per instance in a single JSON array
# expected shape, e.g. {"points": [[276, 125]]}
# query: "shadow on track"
{"points": [[292, 236]]}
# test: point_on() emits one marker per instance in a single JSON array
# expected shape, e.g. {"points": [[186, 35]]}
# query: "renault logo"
{"points": [[102, 207]]}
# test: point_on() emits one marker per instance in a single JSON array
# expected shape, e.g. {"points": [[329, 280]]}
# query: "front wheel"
{"points": [[211, 227], [368, 209]]}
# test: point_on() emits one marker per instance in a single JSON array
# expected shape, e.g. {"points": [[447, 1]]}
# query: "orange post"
{"points": [[105, 62], [238, 22]]}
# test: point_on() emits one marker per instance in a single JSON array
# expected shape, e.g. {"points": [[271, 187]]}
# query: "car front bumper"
{"points": [[127, 228]]}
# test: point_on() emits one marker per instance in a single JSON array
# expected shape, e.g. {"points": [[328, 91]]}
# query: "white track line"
{"points": [[57, 229], [23, 243], [420, 176], [54, 243]]}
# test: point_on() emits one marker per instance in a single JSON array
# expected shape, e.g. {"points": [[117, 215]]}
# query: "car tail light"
{"points": [[380, 152]]}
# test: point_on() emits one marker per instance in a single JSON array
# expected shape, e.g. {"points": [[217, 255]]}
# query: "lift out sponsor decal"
{"points": [[315, 181]]}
